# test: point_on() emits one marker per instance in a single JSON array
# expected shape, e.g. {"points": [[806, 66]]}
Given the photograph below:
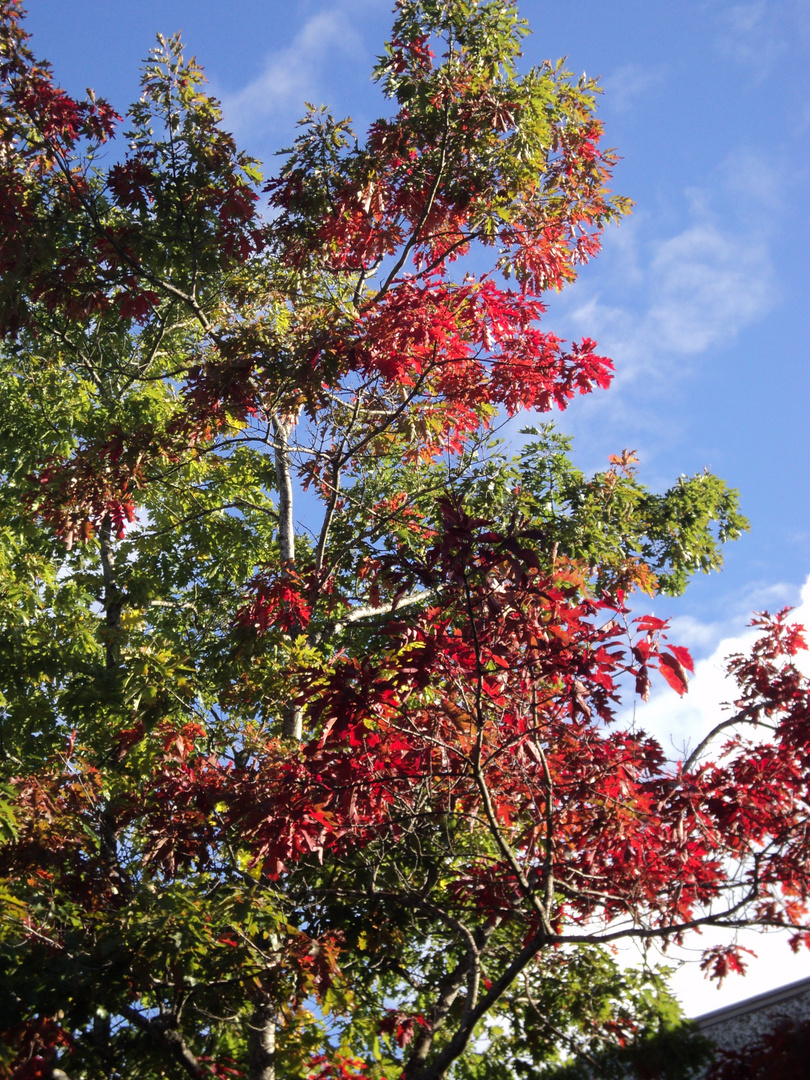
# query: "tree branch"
{"points": [[416, 234], [368, 612], [745, 716], [168, 1038]]}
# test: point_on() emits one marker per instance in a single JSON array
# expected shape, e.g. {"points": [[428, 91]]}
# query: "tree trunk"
{"points": [[262, 1043], [286, 529], [113, 600], [291, 718]]}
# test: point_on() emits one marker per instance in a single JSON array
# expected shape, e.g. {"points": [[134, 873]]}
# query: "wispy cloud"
{"points": [[745, 19], [628, 84], [759, 32], [294, 74], [671, 299], [659, 304], [703, 286], [706, 286], [749, 37], [752, 179]]}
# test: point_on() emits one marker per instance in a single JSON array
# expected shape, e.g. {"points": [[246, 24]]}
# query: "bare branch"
{"points": [[745, 716], [368, 612]]}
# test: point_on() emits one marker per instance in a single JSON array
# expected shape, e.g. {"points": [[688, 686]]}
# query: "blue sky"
{"points": [[701, 298]]}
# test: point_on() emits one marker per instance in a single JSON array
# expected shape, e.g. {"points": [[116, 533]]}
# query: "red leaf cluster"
{"points": [[500, 704]]}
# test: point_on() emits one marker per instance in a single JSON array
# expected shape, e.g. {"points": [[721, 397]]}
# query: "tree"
{"points": [[345, 798]]}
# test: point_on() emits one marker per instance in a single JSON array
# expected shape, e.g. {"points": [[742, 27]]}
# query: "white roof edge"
{"points": [[770, 997]]}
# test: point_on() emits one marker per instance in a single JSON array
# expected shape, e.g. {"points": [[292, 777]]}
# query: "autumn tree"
{"points": [[310, 758]]}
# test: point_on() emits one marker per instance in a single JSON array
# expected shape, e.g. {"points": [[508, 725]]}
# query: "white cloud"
{"points": [[680, 723], [774, 964], [293, 74], [683, 722]]}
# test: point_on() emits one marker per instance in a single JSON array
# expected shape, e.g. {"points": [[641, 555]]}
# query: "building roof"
{"points": [[753, 1004]]}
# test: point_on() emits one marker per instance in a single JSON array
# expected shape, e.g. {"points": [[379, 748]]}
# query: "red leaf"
{"points": [[673, 671], [643, 684], [684, 656]]}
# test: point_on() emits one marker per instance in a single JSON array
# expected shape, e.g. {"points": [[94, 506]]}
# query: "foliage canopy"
{"points": [[345, 797]]}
